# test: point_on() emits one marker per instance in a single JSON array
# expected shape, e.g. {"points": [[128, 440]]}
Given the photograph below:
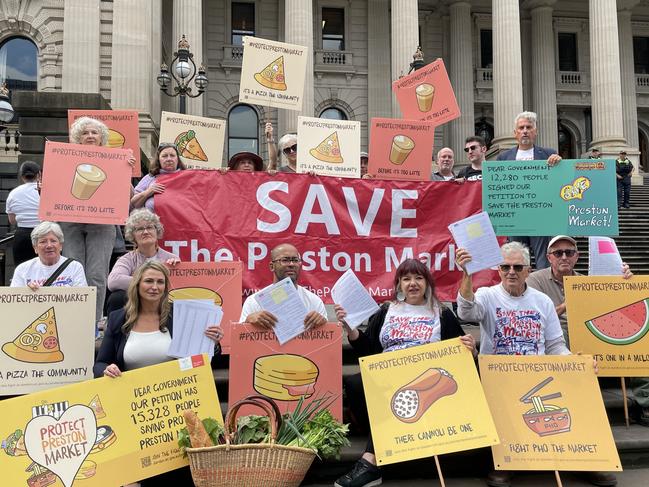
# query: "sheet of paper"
{"points": [[350, 293], [191, 318], [476, 235], [603, 257], [282, 300]]}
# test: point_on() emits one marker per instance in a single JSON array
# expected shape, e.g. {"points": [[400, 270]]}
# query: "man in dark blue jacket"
{"points": [[525, 150]]}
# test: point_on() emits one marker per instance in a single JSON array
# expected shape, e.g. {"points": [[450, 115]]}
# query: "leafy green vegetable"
{"points": [[324, 434], [252, 429], [213, 428]]}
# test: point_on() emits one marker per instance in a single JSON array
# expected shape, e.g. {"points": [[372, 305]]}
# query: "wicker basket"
{"points": [[250, 465]]}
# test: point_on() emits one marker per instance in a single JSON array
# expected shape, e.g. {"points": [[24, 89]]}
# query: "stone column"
{"points": [[378, 64], [188, 20], [461, 74], [544, 94], [627, 70], [81, 31], [507, 71], [298, 29], [404, 38], [606, 85]]}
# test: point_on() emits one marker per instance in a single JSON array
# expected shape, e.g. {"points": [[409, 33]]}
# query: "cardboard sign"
{"points": [[105, 431], [575, 197], [310, 365], [85, 184], [546, 408], [200, 140], [425, 401], [427, 94], [123, 130], [47, 338], [273, 73], [329, 147], [218, 281], [608, 317], [401, 149]]}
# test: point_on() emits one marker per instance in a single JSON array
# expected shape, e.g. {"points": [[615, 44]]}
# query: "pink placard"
{"points": [[605, 247], [123, 130], [427, 94], [85, 184], [401, 149]]}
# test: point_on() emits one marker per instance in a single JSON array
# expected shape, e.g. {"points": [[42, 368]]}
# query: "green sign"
{"points": [[530, 198]]}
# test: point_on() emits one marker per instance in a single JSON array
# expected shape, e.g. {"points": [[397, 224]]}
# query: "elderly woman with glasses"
{"points": [[47, 240], [166, 161], [287, 145], [143, 228]]}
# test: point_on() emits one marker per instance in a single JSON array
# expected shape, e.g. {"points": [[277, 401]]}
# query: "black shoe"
{"points": [[601, 479], [499, 478], [364, 474], [627, 206]]}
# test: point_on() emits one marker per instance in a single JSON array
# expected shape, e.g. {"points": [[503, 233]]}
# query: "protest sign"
{"points": [[47, 337], [608, 317], [105, 431], [123, 130], [329, 147], [369, 226], [85, 184], [575, 197], [424, 401], [401, 149], [217, 281], [200, 140], [273, 73], [545, 408], [309, 365], [427, 94]]}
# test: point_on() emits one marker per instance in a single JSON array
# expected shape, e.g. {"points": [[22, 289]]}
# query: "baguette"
{"points": [[198, 436]]}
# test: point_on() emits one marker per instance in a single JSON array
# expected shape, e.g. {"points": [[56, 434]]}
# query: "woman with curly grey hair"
{"points": [[144, 229]]}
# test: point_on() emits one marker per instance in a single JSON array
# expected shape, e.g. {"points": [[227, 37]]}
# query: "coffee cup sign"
{"points": [[61, 445]]}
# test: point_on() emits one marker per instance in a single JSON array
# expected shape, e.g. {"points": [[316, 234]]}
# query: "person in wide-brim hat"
{"points": [[246, 161]]}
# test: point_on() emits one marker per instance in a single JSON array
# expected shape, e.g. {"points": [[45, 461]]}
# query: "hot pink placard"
{"points": [[605, 247], [85, 184], [427, 94], [401, 149]]}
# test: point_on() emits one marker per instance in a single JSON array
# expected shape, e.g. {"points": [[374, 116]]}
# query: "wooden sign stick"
{"points": [[556, 475], [439, 472], [626, 405]]}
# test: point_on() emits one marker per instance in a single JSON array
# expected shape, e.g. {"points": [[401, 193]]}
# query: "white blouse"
{"points": [[148, 348]]}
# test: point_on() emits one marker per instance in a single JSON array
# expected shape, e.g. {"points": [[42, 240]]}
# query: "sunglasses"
{"points": [[567, 252], [288, 150], [507, 267], [471, 147]]}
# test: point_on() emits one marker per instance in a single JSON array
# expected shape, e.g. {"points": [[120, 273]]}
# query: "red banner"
{"points": [[363, 224]]}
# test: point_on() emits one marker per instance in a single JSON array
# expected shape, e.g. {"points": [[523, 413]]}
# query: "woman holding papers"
{"points": [[416, 317], [144, 229]]}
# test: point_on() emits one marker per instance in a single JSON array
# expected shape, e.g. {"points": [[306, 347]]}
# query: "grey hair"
{"points": [[43, 228], [283, 142], [443, 149], [142, 215], [531, 116], [81, 123], [516, 248]]}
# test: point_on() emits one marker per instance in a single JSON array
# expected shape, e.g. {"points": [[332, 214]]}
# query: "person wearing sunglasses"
{"points": [[475, 149], [287, 145], [285, 261]]}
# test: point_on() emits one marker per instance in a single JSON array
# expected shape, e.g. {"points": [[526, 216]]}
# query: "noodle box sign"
{"points": [[545, 408], [425, 401], [105, 431], [608, 317]]}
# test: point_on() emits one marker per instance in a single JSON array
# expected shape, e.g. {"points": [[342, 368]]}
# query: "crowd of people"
{"points": [[140, 321]]}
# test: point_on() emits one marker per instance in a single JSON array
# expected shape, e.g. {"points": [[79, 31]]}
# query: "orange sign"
{"points": [[85, 184], [401, 149], [427, 94], [217, 281], [123, 130], [308, 366]]}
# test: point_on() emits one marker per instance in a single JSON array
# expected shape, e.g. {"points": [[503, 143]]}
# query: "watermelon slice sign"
{"points": [[622, 326]]}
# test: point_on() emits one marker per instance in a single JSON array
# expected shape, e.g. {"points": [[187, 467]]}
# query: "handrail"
{"points": [[7, 238]]}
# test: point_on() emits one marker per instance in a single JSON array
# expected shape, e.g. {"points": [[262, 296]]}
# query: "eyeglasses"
{"points": [[567, 252], [288, 150], [471, 147], [148, 228], [507, 267], [288, 260]]}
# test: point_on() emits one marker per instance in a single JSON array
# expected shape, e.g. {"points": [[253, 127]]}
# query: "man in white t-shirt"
{"points": [[285, 262]]}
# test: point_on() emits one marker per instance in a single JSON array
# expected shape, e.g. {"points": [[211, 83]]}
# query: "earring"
{"points": [[400, 296]]}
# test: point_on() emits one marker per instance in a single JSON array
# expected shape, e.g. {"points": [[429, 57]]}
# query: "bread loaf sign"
{"points": [[412, 400]]}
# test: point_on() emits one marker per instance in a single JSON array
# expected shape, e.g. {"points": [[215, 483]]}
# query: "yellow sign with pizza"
{"points": [[425, 401], [46, 338], [545, 408], [105, 431], [608, 317]]}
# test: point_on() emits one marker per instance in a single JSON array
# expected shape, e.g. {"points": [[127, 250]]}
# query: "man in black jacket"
{"points": [[623, 171]]}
